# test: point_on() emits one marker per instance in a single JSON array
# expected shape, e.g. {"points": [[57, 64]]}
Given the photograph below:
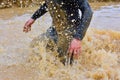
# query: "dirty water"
{"points": [[99, 60]]}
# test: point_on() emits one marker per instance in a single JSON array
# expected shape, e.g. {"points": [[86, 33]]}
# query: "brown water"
{"points": [[100, 58], [107, 18]]}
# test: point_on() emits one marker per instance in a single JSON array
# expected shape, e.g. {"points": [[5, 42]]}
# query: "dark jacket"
{"points": [[69, 13]]}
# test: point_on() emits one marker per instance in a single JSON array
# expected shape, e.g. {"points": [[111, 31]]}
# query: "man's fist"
{"points": [[28, 24], [75, 48]]}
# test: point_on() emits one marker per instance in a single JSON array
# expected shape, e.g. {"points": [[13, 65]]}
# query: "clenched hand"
{"points": [[28, 24]]}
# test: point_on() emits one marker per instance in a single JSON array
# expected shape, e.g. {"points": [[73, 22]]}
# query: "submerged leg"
{"points": [[59, 42], [51, 34], [64, 40], [50, 37], [37, 40], [55, 42]]}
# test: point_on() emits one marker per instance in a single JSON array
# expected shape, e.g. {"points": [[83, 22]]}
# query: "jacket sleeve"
{"points": [[42, 10], [85, 19]]}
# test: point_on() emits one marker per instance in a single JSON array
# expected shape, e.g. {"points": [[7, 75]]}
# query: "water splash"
{"points": [[100, 59]]}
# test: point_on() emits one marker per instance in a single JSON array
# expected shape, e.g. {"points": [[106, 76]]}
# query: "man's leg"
{"points": [[51, 34], [55, 42], [49, 39], [39, 39], [64, 40], [59, 42]]}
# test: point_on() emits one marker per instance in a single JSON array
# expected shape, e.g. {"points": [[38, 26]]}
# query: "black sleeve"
{"points": [[85, 19], [42, 10]]}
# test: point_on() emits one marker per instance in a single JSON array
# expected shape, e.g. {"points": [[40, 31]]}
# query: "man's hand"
{"points": [[28, 24], [75, 48]]}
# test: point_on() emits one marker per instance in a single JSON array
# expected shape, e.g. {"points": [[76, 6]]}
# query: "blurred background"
{"points": [[26, 3]]}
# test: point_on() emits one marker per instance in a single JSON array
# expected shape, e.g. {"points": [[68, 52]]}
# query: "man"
{"points": [[68, 27]]}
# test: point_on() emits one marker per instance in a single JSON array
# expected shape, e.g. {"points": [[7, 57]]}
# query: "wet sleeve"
{"points": [[42, 10], [85, 19]]}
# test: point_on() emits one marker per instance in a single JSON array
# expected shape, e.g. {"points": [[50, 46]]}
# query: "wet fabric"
{"points": [[65, 15], [59, 42], [67, 23]]}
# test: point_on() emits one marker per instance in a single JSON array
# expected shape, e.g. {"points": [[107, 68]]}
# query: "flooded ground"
{"points": [[107, 18], [100, 58]]}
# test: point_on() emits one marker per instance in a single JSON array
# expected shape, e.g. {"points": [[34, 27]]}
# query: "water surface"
{"points": [[100, 59]]}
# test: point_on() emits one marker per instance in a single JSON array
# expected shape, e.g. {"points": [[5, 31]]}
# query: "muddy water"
{"points": [[107, 18], [100, 58]]}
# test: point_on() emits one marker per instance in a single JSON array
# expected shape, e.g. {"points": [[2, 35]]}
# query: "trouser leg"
{"points": [[58, 42], [62, 45], [52, 36]]}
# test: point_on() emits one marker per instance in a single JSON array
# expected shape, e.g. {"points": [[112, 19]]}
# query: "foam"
{"points": [[99, 60]]}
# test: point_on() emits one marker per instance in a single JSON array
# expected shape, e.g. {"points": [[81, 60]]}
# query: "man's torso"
{"points": [[65, 13]]}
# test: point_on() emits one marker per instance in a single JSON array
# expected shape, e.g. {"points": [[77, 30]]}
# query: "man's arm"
{"points": [[37, 14], [75, 45], [85, 19], [42, 10]]}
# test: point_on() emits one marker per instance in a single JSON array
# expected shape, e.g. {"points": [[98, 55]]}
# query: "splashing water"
{"points": [[99, 60], [100, 57]]}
